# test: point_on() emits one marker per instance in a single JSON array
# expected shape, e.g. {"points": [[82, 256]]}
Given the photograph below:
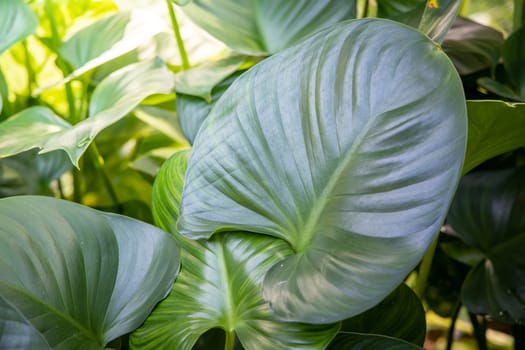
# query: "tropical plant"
{"points": [[299, 161]]}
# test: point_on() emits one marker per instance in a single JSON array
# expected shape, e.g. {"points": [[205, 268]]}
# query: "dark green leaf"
{"points": [[192, 111], [487, 213], [500, 89], [356, 341], [513, 58], [472, 46], [220, 285], [494, 127], [399, 315], [79, 277], [303, 146], [265, 27], [17, 21]]}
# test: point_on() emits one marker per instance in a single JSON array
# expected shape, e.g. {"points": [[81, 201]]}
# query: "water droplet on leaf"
{"points": [[83, 142]]}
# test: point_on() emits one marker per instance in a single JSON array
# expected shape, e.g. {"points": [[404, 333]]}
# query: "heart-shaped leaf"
{"points": [[220, 286], [494, 127], [265, 27], [77, 276], [17, 21], [112, 100], [348, 146], [487, 214]]}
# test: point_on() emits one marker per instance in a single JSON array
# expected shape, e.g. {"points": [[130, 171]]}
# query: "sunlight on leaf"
{"points": [[17, 21], [303, 147]]}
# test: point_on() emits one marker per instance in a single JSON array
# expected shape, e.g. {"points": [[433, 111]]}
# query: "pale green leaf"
{"points": [[494, 127], [200, 81], [220, 286], [349, 147], [265, 27], [77, 276], [17, 21], [113, 99]]}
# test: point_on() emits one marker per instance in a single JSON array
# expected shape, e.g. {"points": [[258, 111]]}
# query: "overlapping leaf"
{"points": [[112, 100], [220, 286], [487, 214], [16, 22], [264, 27], [76, 277], [494, 127], [349, 147], [356, 341]]}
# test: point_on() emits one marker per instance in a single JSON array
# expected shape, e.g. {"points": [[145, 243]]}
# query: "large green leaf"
{"points": [[349, 147], [76, 276], [432, 17], [487, 214], [494, 127], [220, 285], [112, 100], [400, 315], [17, 21], [256, 27], [513, 57], [472, 46]]}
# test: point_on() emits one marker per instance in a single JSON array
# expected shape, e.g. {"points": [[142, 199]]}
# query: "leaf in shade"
{"points": [[17, 21], [303, 146], [219, 286], [472, 46], [399, 315], [356, 341], [494, 127], [200, 81], [113, 99], [431, 17], [487, 214], [192, 111], [513, 57], [92, 276], [265, 27], [500, 89]]}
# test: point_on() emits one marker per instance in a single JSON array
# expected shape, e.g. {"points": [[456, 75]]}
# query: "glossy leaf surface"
{"points": [[494, 127], [303, 147], [256, 27], [17, 21], [77, 276], [112, 100], [487, 214], [400, 315], [220, 285]]}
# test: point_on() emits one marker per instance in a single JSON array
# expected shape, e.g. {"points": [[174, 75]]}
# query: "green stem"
{"points": [[61, 64], [479, 331], [230, 340], [450, 334], [98, 163], [178, 37], [519, 14], [424, 269], [31, 80]]}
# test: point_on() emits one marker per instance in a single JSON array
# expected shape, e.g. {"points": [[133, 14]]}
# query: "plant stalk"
{"points": [[31, 80], [178, 36], [479, 331], [424, 268], [450, 334], [230, 340], [519, 14], [98, 163]]}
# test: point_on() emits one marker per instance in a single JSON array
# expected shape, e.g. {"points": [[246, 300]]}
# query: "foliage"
{"points": [[298, 160]]}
